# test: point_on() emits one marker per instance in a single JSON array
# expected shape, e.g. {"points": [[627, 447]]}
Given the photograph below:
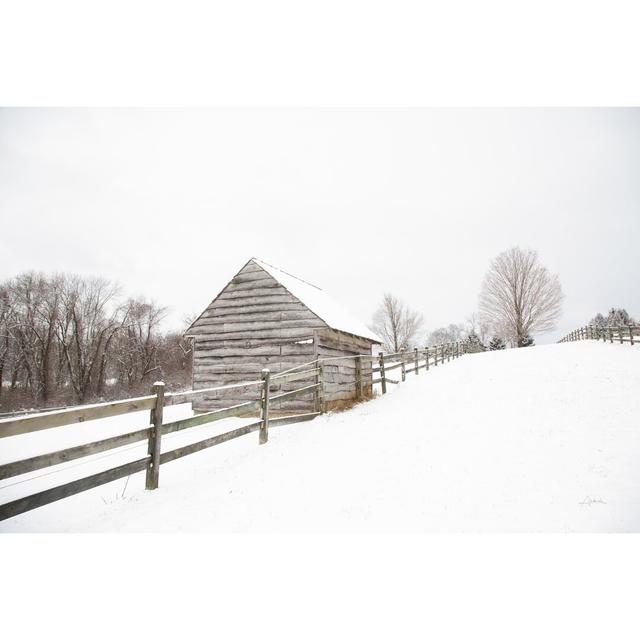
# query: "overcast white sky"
{"points": [[171, 203]]}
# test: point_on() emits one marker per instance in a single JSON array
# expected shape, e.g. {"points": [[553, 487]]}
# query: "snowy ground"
{"points": [[538, 439]]}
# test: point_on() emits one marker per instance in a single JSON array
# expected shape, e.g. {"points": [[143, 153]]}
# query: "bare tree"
{"points": [[86, 331], [34, 307], [617, 317], [5, 331], [396, 324], [177, 358], [63, 336], [450, 333], [520, 296], [139, 343], [480, 326]]}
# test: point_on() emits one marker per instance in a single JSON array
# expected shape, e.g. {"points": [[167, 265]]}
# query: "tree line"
{"points": [[519, 298], [616, 317], [67, 339]]}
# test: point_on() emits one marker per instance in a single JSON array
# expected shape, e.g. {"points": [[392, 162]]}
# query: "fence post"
{"points": [[264, 424], [620, 334], [359, 383], [611, 335], [435, 356], [631, 334], [320, 390], [403, 368], [383, 382], [153, 466], [426, 361]]}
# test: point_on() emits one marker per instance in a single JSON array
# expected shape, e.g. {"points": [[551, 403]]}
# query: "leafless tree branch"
{"points": [[519, 296]]}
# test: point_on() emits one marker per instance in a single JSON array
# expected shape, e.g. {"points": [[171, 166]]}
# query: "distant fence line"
{"points": [[311, 374], [621, 334]]}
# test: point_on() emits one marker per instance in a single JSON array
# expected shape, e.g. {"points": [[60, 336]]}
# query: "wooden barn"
{"points": [[265, 317]]}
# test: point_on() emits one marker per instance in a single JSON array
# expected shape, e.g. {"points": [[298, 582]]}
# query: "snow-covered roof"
{"points": [[318, 301]]}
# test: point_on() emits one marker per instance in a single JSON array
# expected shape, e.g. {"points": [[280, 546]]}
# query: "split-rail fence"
{"points": [[310, 375], [621, 334]]}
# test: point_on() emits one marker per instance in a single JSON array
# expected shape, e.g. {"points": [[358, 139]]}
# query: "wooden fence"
{"points": [[310, 375], [621, 334]]}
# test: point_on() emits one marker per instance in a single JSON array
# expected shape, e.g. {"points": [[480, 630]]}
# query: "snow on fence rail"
{"points": [[621, 334], [406, 361]]}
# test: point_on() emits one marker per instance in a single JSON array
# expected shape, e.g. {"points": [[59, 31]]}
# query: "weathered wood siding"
{"points": [[253, 323], [340, 377]]}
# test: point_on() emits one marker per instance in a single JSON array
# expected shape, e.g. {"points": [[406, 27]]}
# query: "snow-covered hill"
{"points": [[539, 439]]}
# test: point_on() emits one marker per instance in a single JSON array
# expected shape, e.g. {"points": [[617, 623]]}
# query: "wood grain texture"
{"points": [[83, 413], [12, 469], [243, 408], [264, 422], [180, 452], [155, 434], [255, 323]]}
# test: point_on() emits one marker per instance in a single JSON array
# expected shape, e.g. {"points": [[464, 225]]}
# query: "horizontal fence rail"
{"points": [[314, 376], [73, 415], [16, 507], [620, 334]]}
